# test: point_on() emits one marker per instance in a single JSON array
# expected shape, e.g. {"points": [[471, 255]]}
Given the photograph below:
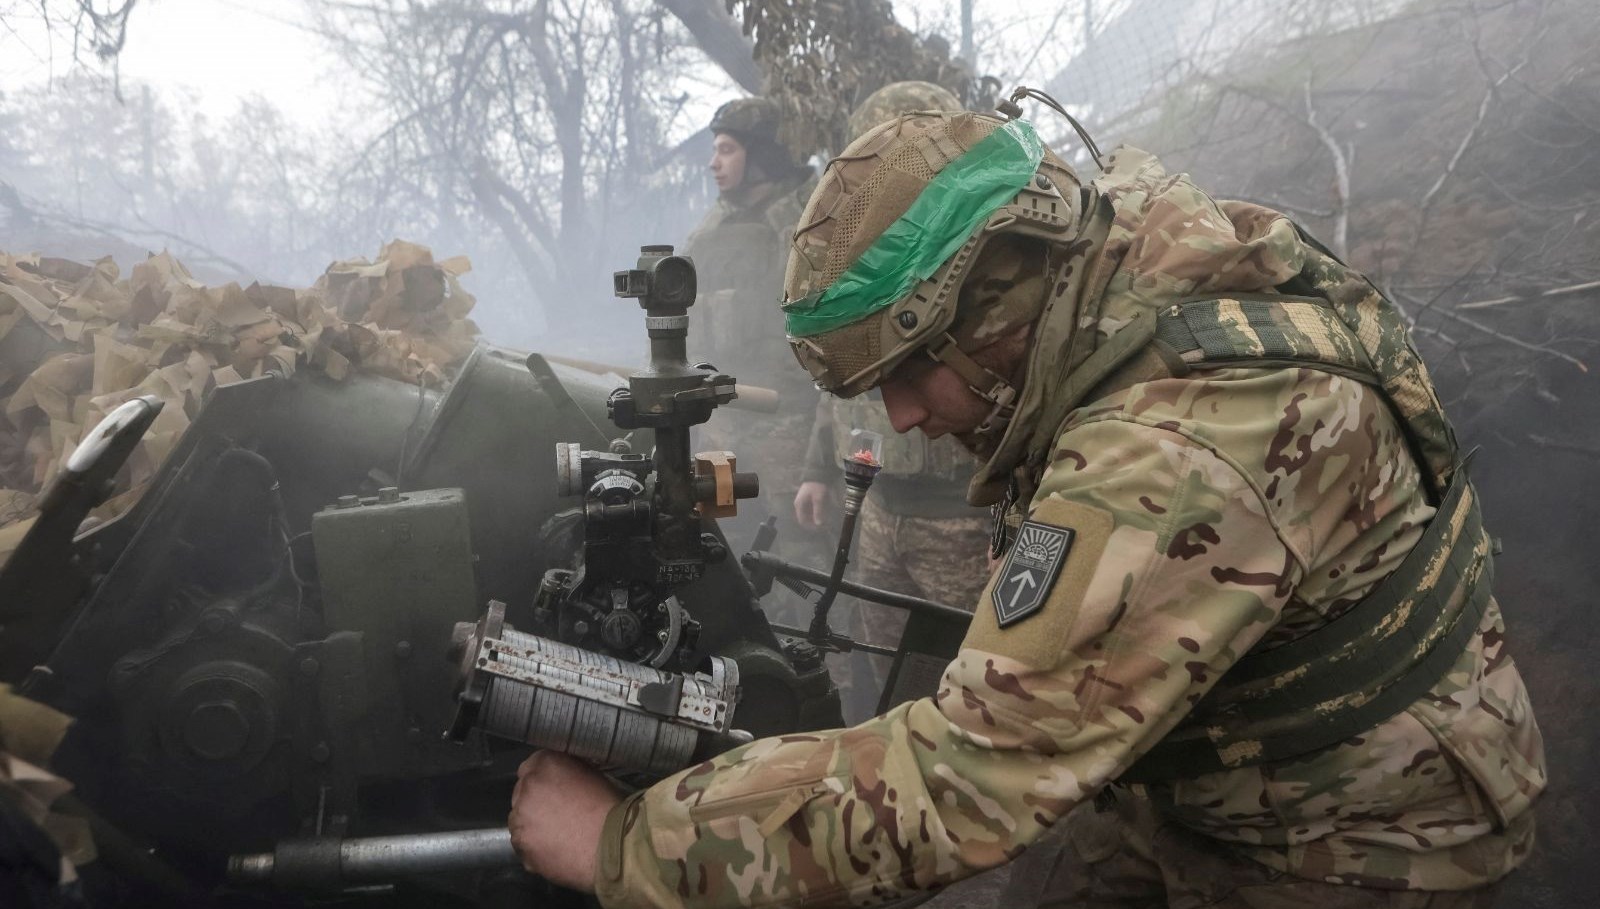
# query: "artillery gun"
{"points": [[305, 665]]}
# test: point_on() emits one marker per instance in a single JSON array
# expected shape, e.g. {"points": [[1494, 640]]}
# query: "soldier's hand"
{"points": [[557, 812], [811, 504]]}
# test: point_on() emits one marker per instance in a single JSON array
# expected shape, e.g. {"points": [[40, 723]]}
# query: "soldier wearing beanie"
{"points": [[740, 250]]}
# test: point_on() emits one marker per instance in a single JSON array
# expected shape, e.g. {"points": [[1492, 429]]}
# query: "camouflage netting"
{"points": [[822, 58], [77, 340]]}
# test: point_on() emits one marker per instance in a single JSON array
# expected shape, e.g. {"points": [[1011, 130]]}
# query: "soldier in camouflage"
{"points": [[1243, 616], [743, 242], [916, 533], [739, 250]]}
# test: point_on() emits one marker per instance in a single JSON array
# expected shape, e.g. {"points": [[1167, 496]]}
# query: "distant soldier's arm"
{"points": [[1176, 566], [820, 466], [820, 473]]}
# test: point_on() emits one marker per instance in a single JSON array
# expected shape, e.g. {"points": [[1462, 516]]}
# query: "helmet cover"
{"points": [[898, 98], [893, 230]]}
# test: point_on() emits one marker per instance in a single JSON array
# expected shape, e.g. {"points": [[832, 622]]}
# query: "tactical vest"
{"points": [[1387, 651], [740, 255], [909, 456], [734, 260]]}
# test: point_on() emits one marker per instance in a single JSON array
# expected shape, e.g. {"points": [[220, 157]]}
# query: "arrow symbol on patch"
{"points": [[1026, 577]]}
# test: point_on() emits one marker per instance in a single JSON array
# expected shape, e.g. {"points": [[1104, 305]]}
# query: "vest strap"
{"points": [[1370, 663], [1240, 330], [1357, 671], [1264, 330]]}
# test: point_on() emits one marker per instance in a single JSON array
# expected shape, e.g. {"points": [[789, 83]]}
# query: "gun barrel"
{"points": [[332, 863]]}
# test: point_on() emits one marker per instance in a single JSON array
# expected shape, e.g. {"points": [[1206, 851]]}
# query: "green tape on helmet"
{"points": [[957, 202]]}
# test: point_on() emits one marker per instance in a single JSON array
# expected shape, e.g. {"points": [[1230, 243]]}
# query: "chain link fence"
{"points": [[1133, 53]]}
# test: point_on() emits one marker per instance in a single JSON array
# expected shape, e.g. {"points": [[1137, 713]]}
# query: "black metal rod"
{"points": [[841, 559], [779, 567], [832, 640]]}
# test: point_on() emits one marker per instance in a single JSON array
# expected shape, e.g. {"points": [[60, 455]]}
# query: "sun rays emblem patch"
{"points": [[1030, 570]]}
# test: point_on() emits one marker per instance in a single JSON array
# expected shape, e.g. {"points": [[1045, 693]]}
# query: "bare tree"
{"points": [[719, 35], [542, 116], [98, 29], [236, 197]]}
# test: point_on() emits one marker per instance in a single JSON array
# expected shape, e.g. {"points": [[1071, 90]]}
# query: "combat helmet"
{"points": [[899, 98], [893, 231]]}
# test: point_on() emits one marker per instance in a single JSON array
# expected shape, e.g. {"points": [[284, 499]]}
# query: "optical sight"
{"points": [[659, 279]]}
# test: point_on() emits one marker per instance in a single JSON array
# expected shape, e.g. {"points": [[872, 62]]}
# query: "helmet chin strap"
{"points": [[985, 383]]}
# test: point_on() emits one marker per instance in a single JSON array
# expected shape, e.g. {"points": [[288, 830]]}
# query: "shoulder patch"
{"points": [[1030, 570], [1047, 637]]}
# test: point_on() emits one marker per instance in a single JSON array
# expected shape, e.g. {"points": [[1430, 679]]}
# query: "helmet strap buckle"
{"points": [[984, 382], [1004, 407]]}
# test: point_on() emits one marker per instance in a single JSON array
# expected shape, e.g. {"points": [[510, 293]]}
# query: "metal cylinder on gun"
{"points": [[589, 705]]}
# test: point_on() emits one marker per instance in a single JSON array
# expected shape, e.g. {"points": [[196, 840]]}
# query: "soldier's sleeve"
{"points": [[819, 464], [1152, 564]]}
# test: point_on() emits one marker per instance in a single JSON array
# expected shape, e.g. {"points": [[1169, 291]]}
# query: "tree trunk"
{"points": [[719, 35], [968, 54]]}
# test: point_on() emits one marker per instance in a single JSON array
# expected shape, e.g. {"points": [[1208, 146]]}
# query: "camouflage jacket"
{"points": [[740, 249], [1212, 515]]}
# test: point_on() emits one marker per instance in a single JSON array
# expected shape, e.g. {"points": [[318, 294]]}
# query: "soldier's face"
{"points": [[727, 162], [930, 396]]}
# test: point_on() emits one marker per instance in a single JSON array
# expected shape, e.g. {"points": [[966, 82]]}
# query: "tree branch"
{"points": [[1509, 339], [719, 35], [1529, 298], [1491, 92], [1341, 174], [493, 205], [1547, 442]]}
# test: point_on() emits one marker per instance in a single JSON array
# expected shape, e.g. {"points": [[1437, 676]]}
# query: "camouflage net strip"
{"points": [[77, 340]]}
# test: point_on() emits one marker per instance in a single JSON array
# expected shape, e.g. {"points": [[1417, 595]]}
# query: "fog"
{"points": [[341, 126], [1450, 149]]}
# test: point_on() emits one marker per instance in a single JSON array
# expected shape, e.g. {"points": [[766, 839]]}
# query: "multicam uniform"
{"points": [[739, 251], [1196, 513]]}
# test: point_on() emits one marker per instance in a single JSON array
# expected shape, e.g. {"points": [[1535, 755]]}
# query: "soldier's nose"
{"points": [[905, 411]]}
